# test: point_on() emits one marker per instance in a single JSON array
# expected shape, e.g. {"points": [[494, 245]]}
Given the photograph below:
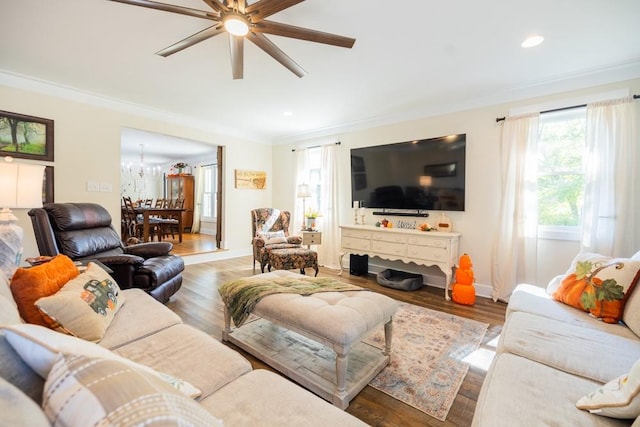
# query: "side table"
{"points": [[311, 238]]}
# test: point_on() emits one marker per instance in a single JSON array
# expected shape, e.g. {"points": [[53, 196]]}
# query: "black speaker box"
{"points": [[359, 265]]}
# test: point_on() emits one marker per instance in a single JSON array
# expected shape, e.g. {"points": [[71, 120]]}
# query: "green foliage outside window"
{"points": [[561, 146]]}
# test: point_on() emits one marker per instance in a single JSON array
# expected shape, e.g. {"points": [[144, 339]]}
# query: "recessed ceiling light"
{"points": [[532, 41], [287, 114]]}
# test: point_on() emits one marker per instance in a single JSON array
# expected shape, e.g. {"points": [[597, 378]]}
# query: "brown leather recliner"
{"points": [[83, 231]]}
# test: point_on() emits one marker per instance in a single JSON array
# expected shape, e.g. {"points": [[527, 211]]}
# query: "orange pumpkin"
{"points": [[463, 291], [463, 294], [570, 291]]}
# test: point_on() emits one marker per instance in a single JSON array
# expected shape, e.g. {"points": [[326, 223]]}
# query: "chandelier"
{"points": [[141, 172], [127, 169]]}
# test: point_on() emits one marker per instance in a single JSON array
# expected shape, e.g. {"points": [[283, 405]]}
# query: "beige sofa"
{"points": [[549, 355], [147, 332]]}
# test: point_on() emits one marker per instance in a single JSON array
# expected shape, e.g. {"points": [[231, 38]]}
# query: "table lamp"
{"points": [[303, 193], [20, 188]]}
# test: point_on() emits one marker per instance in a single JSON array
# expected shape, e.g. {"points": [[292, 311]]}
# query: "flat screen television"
{"points": [[421, 175]]}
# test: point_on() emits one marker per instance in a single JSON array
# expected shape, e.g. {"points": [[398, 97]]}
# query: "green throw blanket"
{"points": [[241, 296]]}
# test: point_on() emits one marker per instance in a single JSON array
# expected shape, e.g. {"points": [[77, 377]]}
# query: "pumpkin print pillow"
{"points": [[599, 285]]}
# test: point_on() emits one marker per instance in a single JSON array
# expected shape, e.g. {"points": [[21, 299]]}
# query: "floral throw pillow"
{"points": [[599, 285]]}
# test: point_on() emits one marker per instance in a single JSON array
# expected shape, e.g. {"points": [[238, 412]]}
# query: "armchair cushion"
{"points": [[123, 259], [294, 240], [149, 250]]}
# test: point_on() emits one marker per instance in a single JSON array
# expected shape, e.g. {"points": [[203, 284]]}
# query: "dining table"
{"points": [[147, 212]]}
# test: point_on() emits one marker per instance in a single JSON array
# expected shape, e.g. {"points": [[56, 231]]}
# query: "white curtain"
{"points": [[197, 199], [611, 224], [329, 250], [302, 177], [514, 255], [328, 223]]}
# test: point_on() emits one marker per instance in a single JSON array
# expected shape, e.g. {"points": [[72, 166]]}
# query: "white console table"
{"points": [[419, 247]]}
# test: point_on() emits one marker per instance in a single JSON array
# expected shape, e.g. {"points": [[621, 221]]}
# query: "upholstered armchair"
{"points": [[270, 229], [83, 231]]}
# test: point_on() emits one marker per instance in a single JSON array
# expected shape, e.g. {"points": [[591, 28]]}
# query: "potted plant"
{"points": [[180, 166], [310, 216]]}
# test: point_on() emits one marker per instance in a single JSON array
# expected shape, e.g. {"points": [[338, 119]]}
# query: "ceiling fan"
{"points": [[245, 21]]}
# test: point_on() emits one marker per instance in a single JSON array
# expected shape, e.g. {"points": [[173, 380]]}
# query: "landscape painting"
{"points": [[26, 137]]}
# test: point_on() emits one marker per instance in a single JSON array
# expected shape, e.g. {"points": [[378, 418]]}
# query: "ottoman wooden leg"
{"points": [[227, 324], [388, 332], [341, 372]]}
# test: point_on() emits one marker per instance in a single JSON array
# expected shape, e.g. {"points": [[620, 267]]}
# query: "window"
{"points": [[210, 184], [560, 184], [314, 163]]}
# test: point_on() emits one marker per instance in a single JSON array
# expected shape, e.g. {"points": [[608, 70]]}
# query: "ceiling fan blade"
{"points": [[236, 46], [285, 30], [242, 5], [214, 16], [265, 8], [205, 34], [216, 5], [274, 51]]}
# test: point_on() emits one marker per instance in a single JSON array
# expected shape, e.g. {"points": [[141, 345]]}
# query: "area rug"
{"points": [[426, 369]]}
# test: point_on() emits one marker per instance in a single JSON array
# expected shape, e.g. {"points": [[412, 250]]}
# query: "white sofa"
{"points": [[550, 355], [147, 332]]}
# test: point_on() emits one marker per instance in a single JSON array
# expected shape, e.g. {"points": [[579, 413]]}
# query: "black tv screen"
{"points": [[426, 174]]}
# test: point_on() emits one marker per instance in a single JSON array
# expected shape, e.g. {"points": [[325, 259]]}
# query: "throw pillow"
{"points": [[85, 306], [618, 398], [85, 391], [39, 346], [273, 237], [599, 284], [30, 284]]}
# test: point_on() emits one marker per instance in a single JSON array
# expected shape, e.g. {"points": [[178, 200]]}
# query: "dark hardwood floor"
{"points": [[199, 305]]}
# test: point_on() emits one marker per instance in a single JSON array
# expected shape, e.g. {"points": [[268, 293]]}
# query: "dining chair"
{"points": [[135, 224]]}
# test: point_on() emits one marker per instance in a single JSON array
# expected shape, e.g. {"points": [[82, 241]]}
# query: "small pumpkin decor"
{"points": [[599, 285], [463, 290]]}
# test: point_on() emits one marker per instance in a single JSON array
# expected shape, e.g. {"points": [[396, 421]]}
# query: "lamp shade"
{"points": [[20, 185], [303, 191], [426, 181]]}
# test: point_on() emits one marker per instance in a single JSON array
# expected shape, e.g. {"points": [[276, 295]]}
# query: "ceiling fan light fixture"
{"points": [[236, 24], [532, 41]]}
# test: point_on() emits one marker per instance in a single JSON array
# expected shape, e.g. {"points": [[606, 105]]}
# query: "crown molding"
{"points": [[32, 84], [523, 91]]}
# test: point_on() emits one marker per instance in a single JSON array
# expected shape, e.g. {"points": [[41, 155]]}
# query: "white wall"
{"points": [[478, 223], [87, 148]]}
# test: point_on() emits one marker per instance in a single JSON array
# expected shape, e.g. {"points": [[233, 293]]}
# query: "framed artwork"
{"points": [[47, 185], [251, 180], [26, 137]]}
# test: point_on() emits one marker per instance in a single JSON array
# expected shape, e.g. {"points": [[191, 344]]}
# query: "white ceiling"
{"points": [[411, 59], [160, 150]]}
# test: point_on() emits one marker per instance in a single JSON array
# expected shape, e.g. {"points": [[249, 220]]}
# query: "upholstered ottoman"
{"points": [[293, 258], [290, 326]]}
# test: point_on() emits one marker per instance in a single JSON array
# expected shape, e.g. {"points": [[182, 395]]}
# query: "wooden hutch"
{"points": [[182, 185]]}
